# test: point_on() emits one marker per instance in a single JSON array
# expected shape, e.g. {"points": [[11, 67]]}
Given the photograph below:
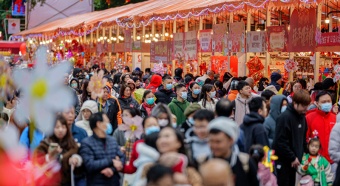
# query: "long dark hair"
{"points": [[85, 93], [204, 93], [146, 92], [123, 77], [67, 142], [116, 78]]}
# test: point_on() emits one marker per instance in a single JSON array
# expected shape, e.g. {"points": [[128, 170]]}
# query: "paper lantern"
{"points": [[23, 49]]}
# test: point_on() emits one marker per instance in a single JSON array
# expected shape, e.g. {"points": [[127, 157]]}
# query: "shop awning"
{"points": [[143, 13]]}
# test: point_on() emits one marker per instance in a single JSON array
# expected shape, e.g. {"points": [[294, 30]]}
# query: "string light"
{"points": [[138, 37]]}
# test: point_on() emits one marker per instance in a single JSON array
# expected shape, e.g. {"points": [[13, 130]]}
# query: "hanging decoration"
{"points": [[254, 65], [159, 68], [337, 73], [291, 65]]}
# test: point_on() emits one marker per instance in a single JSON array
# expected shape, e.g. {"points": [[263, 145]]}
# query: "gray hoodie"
{"points": [[275, 111]]}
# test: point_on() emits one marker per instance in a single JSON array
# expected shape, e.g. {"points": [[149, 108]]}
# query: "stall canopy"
{"points": [[139, 14]]}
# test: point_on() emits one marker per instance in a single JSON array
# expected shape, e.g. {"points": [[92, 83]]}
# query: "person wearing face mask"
{"points": [[278, 104], [207, 97], [290, 138], [101, 154], [89, 107], [194, 92], [148, 103], [321, 121], [180, 103], [189, 113], [165, 94], [163, 115]]}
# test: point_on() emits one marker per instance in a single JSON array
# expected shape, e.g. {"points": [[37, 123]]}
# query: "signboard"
{"points": [[256, 41], [127, 41], [205, 40], [329, 42], [190, 45], [136, 46], [302, 30], [178, 45], [237, 37], [13, 26], [218, 36], [160, 51], [18, 8], [277, 39]]}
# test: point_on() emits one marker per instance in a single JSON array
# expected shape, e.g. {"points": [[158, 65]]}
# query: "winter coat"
{"points": [[254, 131], [97, 155], [185, 128], [265, 176], [191, 99], [39, 158], [29, 143], [275, 110], [320, 124], [129, 168], [82, 123], [241, 108], [209, 105], [78, 133], [319, 169], [232, 95], [334, 144], [119, 135], [147, 155], [177, 108], [143, 111], [164, 96], [290, 136], [197, 149], [128, 102], [114, 112]]}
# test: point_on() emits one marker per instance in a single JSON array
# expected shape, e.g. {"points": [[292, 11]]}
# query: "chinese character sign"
{"points": [[128, 41], [237, 37], [205, 40], [329, 42], [218, 36], [256, 41], [302, 30], [277, 39], [160, 51], [190, 45], [178, 45]]}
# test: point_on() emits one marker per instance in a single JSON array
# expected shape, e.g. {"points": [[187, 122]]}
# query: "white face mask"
{"points": [[163, 122]]}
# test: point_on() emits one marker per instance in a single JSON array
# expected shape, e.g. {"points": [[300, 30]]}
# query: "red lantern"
{"points": [[23, 48]]}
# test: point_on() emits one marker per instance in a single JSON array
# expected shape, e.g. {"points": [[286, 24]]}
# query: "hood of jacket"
{"points": [[156, 81], [252, 118], [146, 154], [178, 102], [242, 100], [88, 104], [275, 105]]}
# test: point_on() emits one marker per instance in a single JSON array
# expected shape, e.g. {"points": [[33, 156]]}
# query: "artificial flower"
{"points": [[96, 85], [44, 93], [132, 126]]}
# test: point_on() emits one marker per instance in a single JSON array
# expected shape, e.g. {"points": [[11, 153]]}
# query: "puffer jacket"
{"points": [[334, 144], [164, 96], [275, 110], [128, 103]]}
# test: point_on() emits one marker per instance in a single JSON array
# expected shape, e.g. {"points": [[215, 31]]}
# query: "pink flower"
{"points": [[96, 85], [132, 126]]}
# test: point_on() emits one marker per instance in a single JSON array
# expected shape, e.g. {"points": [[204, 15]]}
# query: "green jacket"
{"points": [[177, 108], [319, 169]]}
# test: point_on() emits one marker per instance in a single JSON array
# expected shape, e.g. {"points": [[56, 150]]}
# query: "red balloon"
{"points": [[23, 48]]}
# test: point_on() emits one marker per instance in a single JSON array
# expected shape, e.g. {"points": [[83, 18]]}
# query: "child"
{"points": [[315, 165], [266, 178]]}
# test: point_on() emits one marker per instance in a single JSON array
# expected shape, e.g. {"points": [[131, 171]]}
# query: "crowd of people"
{"points": [[206, 130]]}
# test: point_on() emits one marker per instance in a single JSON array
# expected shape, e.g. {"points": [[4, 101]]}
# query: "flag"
{"points": [[13, 26]]}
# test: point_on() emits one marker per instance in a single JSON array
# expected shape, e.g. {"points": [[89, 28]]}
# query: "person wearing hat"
{"points": [[88, 108], [189, 113], [233, 89], [223, 134], [110, 106], [276, 80]]}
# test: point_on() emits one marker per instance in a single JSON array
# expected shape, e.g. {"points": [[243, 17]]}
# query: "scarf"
{"points": [[148, 108]]}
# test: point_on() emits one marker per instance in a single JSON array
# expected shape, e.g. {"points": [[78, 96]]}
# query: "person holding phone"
{"points": [[59, 150]]}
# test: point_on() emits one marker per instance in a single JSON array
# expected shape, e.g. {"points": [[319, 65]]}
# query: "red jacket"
{"points": [[130, 168], [320, 124]]}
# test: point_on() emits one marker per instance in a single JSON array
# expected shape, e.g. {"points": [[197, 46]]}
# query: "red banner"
{"points": [[329, 42], [205, 40], [277, 38], [302, 30], [127, 41], [160, 51], [218, 36], [237, 37]]}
